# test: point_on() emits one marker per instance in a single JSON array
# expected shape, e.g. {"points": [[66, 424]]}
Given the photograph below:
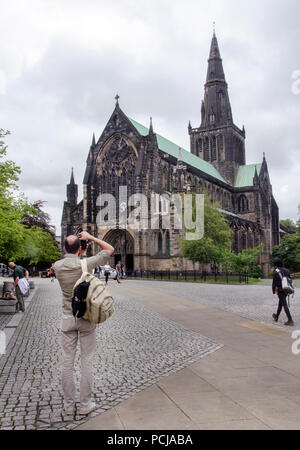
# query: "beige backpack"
{"points": [[99, 302]]}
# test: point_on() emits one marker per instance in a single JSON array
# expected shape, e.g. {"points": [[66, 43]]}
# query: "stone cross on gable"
{"points": [[117, 99]]}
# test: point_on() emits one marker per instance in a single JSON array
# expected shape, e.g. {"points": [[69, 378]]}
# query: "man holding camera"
{"points": [[68, 271]]}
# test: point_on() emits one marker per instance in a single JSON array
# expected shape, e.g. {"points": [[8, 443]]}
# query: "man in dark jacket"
{"points": [[18, 274], [280, 272]]}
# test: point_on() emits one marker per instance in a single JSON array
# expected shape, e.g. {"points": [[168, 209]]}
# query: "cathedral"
{"points": [[130, 154]]}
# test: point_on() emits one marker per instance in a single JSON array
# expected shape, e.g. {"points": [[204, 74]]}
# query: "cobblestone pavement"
{"points": [[4, 319], [135, 348], [254, 302]]}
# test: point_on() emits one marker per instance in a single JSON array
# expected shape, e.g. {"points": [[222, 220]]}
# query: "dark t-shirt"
{"points": [[19, 272]]}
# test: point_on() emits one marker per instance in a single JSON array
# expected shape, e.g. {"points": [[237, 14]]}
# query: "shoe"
{"points": [[88, 410], [275, 318], [289, 323]]}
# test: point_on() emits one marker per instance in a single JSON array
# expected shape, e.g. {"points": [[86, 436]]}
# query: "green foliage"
{"points": [[36, 217], [216, 240], [242, 262], [289, 252], [256, 272], [40, 248]]}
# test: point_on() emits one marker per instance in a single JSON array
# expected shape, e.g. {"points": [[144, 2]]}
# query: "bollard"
{"points": [[7, 286]]}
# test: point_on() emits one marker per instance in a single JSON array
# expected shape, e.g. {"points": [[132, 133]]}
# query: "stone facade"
{"points": [[129, 154]]}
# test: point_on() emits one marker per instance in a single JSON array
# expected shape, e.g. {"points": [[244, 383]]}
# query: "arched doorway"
{"points": [[123, 243]]}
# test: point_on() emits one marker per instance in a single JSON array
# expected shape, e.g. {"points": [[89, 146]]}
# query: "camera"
{"points": [[84, 244]]}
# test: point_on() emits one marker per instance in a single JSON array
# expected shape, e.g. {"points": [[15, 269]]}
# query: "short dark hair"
{"points": [[73, 247], [278, 263]]}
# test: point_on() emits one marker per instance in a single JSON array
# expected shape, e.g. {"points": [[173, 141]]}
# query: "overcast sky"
{"points": [[63, 61]]}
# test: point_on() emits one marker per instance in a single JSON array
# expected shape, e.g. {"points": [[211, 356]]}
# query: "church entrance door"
{"points": [[123, 243]]}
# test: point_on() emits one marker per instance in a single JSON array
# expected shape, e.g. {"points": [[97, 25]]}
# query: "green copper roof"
{"points": [[172, 149], [246, 174], [223, 211]]}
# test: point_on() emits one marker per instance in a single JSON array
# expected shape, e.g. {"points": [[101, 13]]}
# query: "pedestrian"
{"points": [[122, 269], [280, 272], [107, 270], [118, 270], [68, 271], [18, 273], [52, 274]]}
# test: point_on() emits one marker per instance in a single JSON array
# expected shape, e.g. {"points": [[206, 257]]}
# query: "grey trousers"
{"points": [[73, 331], [20, 305]]}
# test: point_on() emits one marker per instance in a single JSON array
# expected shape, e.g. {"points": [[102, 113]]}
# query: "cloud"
{"points": [[63, 63]]}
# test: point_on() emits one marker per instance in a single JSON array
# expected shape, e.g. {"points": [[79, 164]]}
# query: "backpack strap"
{"points": [[84, 266]]}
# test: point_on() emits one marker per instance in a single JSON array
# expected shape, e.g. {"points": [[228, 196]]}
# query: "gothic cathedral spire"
{"points": [[218, 140], [72, 191], [216, 109]]}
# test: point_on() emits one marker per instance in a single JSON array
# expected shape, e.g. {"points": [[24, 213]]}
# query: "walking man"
{"points": [[280, 272], [107, 270], [18, 273], [118, 270], [68, 271]]}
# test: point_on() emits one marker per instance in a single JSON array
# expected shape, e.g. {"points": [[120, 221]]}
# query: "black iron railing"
{"points": [[189, 275]]}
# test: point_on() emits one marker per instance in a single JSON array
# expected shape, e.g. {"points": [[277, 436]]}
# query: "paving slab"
{"points": [[164, 367]]}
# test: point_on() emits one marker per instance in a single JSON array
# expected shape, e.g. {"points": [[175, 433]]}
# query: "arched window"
{"points": [[167, 243], [201, 148], [160, 244], [206, 150], [244, 240], [214, 149], [164, 180], [123, 178], [243, 204], [197, 148], [221, 99], [221, 155]]}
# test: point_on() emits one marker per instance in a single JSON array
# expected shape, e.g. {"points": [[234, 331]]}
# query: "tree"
{"points": [[40, 249], [12, 206], [244, 261], [289, 251], [216, 240], [38, 218]]}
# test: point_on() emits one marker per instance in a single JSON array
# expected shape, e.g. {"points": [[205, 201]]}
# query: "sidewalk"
{"points": [[252, 383], [9, 322]]}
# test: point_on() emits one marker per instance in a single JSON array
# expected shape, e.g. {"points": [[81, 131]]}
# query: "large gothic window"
{"points": [[221, 155], [206, 149], [221, 101], [243, 204], [244, 240], [160, 244], [212, 118], [214, 149], [168, 243]]}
